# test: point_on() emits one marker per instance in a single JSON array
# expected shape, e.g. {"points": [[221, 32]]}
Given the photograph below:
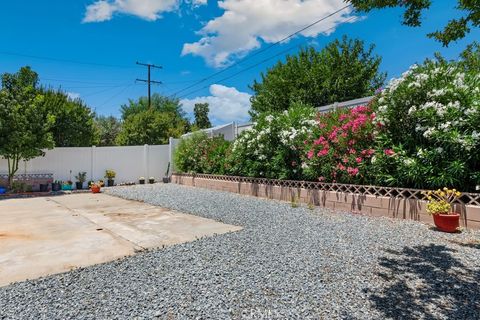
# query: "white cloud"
{"points": [[226, 104], [103, 10], [245, 23], [73, 95]]}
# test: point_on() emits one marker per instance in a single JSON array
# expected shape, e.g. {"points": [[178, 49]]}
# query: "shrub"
{"points": [[199, 153], [271, 148], [431, 124], [339, 147]]}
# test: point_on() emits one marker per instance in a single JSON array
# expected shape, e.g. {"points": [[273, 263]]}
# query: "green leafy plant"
{"points": [[430, 120], [110, 174], [81, 177], [339, 146], [199, 153], [272, 148]]}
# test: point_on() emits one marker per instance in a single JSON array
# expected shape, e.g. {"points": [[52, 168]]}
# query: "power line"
{"points": [[261, 51], [61, 60], [254, 65]]}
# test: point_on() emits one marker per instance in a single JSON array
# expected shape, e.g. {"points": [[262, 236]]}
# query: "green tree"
{"points": [[343, 70], [200, 111], [151, 127], [159, 103], [454, 30], [25, 121], [74, 121], [108, 128]]}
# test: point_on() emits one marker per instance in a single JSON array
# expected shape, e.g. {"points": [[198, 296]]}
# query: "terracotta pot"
{"points": [[95, 189], [447, 222]]}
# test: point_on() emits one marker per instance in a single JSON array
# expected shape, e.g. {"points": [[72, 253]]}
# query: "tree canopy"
{"points": [[151, 127], [200, 111], [108, 128], [454, 30], [343, 70], [158, 103], [74, 121], [25, 121]]}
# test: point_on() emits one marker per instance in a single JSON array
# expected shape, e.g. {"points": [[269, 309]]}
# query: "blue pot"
{"points": [[3, 190]]}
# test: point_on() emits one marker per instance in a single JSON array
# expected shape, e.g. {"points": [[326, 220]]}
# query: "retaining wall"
{"points": [[370, 200]]}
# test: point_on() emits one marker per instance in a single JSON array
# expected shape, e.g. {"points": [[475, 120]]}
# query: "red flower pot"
{"points": [[95, 189], [447, 222]]}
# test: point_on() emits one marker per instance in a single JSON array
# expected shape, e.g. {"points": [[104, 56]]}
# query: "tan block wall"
{"points": [[378, 206]]}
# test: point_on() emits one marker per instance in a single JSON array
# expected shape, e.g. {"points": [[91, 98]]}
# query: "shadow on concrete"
{"points": [[427, 282]]}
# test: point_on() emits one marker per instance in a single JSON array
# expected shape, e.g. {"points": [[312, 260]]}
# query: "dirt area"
{"points": [[42, 236]]}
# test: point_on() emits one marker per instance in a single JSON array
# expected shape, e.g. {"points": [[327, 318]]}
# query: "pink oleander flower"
{"points": [[352, 171], [310, 154], [321, 179], [322, 153], [358, 159], [389, 152]]}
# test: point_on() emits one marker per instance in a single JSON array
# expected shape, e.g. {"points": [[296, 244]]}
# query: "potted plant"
{"points": [[89, 183], [56, 185], [166, 178], [43, 187], [95, 187], [81, 178], [141, 180], [67, 185], [101, 183], [151, 180], [440, 206], [110, 176]]}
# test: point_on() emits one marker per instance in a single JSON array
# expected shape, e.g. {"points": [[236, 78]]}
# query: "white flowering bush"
{"points": [[430, 125], [272, 148]]}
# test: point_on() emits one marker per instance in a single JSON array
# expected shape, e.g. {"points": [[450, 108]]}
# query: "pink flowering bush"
{"points": [[339, 148]]}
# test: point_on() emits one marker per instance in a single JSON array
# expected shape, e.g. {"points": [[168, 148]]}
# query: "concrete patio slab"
{"points": [[42, 236]]}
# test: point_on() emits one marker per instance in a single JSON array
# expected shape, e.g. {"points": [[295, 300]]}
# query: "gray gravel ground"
{"points": [[287, 263]]}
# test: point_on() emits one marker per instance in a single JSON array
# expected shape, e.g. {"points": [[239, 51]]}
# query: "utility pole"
{"points": [[149, 81]]}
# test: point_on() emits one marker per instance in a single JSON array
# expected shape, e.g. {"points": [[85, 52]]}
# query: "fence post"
{"points": [[170, 153], [145, 161], [92, 162]]}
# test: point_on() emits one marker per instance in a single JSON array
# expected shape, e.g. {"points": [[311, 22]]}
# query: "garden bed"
{"points": [[370, 200]]}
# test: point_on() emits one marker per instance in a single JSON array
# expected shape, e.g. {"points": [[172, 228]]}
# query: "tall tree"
{"points": [[25, 121], [454, 30], [343, 70], [108, 128], [159, 103], [200, 111], [74, 121], [151, 127]]}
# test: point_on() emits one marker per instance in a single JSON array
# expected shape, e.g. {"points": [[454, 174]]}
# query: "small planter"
{"points": [[3, 190], [151, 181], [56, 187], [110, 183], [141, 181], [79, 185], [95, 188], [43, 187], [67, 187], [447, 222], [166, 179]]}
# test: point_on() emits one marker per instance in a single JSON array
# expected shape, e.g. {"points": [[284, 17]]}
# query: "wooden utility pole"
{"points": [[149, 81]]}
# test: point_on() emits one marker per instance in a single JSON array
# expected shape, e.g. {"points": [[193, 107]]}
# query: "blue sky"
{"points": [[93, 45]]}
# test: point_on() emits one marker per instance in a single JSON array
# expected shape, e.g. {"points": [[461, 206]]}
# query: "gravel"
{"points": [[287, 262]]}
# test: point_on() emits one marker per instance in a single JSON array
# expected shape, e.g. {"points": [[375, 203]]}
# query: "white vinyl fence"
{"points": [[129, 163]]}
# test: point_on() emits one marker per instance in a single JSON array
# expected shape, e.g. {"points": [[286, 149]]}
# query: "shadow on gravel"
{"points": [[427, 282]]}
